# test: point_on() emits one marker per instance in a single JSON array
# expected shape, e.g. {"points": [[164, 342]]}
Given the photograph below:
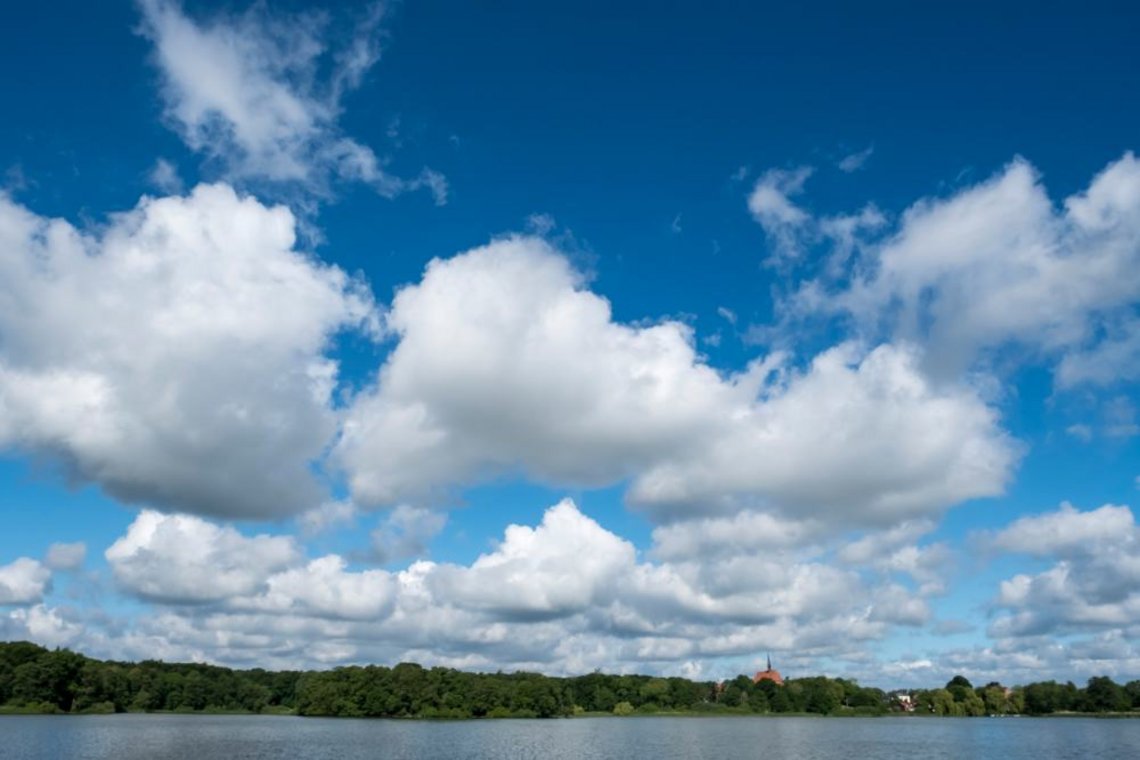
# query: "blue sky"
{"points": [[651, 339]]}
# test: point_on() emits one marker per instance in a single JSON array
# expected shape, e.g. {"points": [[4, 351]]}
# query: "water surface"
{"points": [[200, 737]]}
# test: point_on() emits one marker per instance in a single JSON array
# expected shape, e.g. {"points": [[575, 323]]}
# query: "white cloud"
{"points": [[565, 595], [998, 264], [24, 581], [855, 161], [894, 604], [1068, 531], [506, 364], [41, 624], [327, 516], [1120, 418], [406, 532], [845, 234], [773, 590], [164, 177], [261, 93], [66, 556], [770, 203], [566, 564], [930, 566], [184, 559], [792, 231], [1094, 584], [1067, 599], [952, 627], [741, 533], [324, 588], [858, 438], [189, 336], [1080, 431], [727, 314], [894, 552], [874, 546], [541, 224], [1116, 358]]}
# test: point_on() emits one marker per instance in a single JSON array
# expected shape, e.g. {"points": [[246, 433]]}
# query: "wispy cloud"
{"points": [[164, 177], [259, 94], [855, 161]]}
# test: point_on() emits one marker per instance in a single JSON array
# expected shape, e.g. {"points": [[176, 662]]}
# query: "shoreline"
{"points": [[11, 711]]}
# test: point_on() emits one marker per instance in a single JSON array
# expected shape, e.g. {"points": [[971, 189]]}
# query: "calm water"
{"points": [[194, 737]]}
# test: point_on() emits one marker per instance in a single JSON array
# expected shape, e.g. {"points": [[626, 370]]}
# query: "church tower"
{"points": [[769, 675]]}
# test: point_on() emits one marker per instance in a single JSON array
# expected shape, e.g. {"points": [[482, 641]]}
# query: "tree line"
{"points": [[959, 697], [35, 679]]}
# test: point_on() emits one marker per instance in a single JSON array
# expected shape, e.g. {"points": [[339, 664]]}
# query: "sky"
{"points": [[562, 337]]}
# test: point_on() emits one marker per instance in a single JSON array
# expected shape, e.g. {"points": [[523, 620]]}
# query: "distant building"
{"points": [[769, 675], [904, 700]]}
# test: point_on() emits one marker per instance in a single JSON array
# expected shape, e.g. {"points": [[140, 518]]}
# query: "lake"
{"points": [[199, 737]]}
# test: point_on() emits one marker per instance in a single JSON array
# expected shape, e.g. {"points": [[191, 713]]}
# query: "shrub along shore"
{"points": [[38, 680]]}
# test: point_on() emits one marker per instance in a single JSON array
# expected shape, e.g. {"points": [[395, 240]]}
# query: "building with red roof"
{"points": [[769, 675]]}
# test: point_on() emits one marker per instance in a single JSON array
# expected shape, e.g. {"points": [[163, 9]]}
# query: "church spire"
{"points": [[769, 674]]}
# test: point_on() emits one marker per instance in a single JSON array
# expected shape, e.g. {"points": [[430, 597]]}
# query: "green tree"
{"points": [[1132, 689], [1102, 694], [994, 699], [959, 686]]}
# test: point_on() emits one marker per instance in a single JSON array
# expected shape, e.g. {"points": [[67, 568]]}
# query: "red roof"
{"points": [[769, 675]]}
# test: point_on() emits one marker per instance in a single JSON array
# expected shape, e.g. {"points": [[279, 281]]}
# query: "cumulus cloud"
{"points": [[62, 556], [507, 364], [24, 581], [1092, 585], [894, 552], [184, 559], [999, 264], [741, 533], [260, 94], [872, 546], [324, 588], [192, 340], [775, 592], [892, 445], [1068, 531], [177, 356], [1114, 359], [42, 624], [895, 604], [331, 514], [565, 595], [564, 565], [405, 533]]}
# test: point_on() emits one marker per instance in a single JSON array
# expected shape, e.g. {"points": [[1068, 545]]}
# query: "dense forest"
{"points": [[35, 679]]}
